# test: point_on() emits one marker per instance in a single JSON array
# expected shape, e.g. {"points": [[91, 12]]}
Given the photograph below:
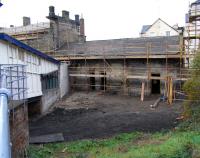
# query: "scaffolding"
{"points": [[188, 47], [185, 50], [44, 36], [192, 33], [12, 93], [130, 73]]}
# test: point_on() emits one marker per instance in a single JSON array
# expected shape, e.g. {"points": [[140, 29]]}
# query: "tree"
{"points": [[192, 86]]}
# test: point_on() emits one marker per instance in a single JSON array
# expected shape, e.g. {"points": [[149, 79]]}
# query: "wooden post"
{"points": [[170, 90], [142, 91], [165, 92]]}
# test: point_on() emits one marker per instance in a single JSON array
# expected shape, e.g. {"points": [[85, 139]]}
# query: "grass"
{"points": [[138, 145], [184, 142]]}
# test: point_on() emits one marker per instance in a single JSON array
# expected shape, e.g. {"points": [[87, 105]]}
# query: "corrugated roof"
{"points": [[22, 45], [145, 28]]}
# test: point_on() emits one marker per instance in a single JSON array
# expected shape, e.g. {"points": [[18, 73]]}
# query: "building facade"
{"points": [[121, 66], [49, 36], [192, 31], [159, 28], [42, 86]]}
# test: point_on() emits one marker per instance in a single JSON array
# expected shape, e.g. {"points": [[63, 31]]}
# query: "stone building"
{"points": [[123, 65], [49, 36]]}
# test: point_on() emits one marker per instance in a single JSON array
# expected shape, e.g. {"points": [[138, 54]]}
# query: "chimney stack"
{"points": [[82, 27], [26, 21], [51, 11], [65, 15], [77, 20]]}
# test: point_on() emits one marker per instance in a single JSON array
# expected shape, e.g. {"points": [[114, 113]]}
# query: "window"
{"points": [[49, 81], [167, 33]]}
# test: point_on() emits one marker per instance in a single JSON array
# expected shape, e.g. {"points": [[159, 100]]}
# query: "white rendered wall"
{"points": [[160, 29], [10, 54], [64, 79]]}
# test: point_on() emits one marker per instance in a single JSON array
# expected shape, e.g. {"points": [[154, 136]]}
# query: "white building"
{"points": [[43, 72], [158, 28]]}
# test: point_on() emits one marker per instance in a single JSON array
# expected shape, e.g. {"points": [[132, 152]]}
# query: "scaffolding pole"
{"points": [[5, 145]]}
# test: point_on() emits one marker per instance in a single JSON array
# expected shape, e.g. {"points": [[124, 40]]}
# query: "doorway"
{"points": [[103, 81], [155, 84], [92, 82]]}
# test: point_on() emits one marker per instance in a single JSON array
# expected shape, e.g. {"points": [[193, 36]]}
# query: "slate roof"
{"points": [[20, 44], [125, 46], [145, 28]]}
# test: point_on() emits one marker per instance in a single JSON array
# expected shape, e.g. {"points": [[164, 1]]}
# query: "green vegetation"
{"points": [[183, 142], [169, 145], [192, 86]]}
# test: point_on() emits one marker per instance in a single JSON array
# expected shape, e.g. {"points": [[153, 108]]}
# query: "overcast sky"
{"points": [[104, 19]]}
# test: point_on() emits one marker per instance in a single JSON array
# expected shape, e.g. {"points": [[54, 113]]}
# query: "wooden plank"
{"points": [[86, 75], [93, 75], [128, 77], [66, 58], [50, 138], [169, 90], [142, 92], [156, 103]]}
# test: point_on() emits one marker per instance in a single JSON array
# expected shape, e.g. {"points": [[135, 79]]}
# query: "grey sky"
{"points": [[104, 19]]}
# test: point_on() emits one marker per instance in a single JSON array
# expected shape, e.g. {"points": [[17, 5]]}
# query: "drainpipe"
{"points": [[5, 145]]}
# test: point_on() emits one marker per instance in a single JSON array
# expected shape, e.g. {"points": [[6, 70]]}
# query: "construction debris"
{"points": [[50, 138], [156, 103]]}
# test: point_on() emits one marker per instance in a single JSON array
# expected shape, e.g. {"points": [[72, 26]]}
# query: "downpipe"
{"points": [[5, 145]]}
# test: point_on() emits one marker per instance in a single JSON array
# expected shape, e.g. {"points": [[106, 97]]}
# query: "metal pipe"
{"points": [[5, 147], [5, 151]]}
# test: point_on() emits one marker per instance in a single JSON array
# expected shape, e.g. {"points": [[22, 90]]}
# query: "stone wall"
{"points": [[19, 130], [117, 70]]}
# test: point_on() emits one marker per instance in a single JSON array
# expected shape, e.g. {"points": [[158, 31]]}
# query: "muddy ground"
{"points": [[94, 115]]}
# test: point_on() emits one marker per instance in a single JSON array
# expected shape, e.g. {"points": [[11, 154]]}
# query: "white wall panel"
{"points": [[10, 54], [159, 29]]}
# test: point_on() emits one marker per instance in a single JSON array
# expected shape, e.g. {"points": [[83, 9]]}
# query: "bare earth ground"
{"points": [[94, 115]]}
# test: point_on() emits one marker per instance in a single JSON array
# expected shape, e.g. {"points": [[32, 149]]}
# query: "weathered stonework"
{"points": [[19, 131]]}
